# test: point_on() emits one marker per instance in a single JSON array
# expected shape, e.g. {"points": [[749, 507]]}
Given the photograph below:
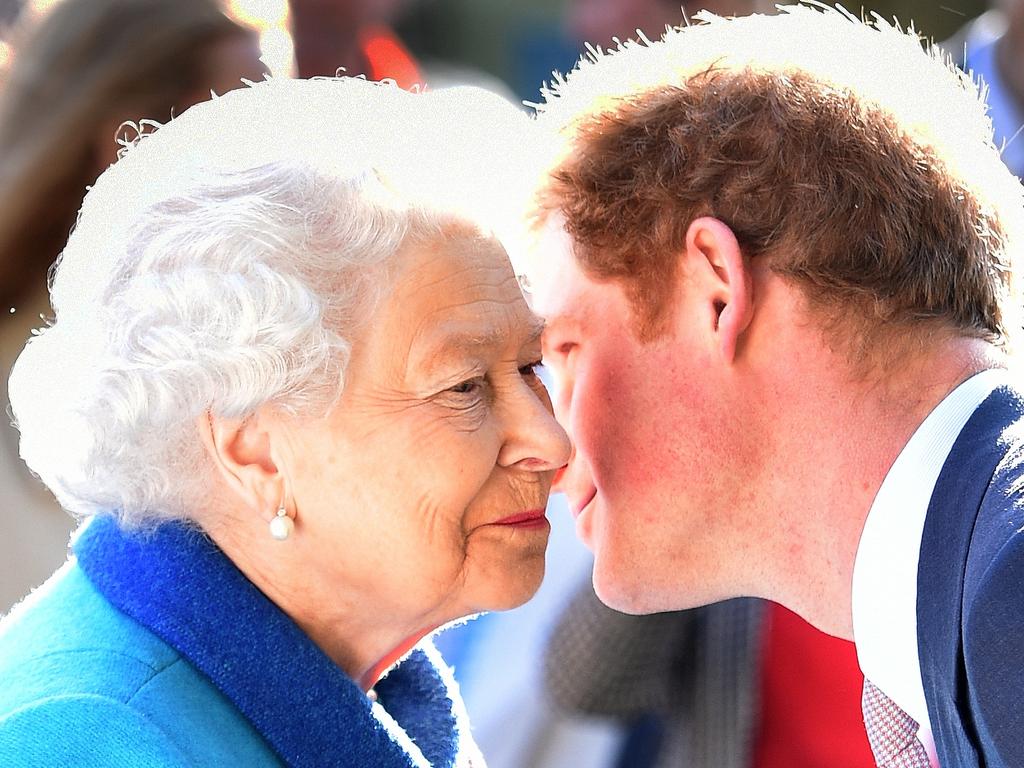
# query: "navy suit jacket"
{"points": [[970, 604]]}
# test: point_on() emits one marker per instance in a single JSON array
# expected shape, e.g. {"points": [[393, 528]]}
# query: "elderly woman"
{"points": [[291, 383]]}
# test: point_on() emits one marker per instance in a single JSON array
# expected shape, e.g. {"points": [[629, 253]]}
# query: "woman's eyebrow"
{"points": [[460, 342], [536, 329]]}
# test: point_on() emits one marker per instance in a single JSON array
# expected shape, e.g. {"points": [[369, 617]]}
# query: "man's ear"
{"points": [[241, 451], [715, 262]]}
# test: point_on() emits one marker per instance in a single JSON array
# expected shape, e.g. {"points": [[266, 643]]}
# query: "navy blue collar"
{"points": [[179, 585]]}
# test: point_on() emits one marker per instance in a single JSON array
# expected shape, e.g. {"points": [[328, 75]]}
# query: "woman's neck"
{"points": [[376, 672], [347, 629]]}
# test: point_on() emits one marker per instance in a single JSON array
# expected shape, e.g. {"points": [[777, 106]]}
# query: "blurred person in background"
{"points": [[78, 73], [739, 684], [991, 48], [599, 21], [352, 35], [358, 37]]}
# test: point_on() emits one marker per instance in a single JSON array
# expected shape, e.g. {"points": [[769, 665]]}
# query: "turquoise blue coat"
{"points": [[155, 651]]}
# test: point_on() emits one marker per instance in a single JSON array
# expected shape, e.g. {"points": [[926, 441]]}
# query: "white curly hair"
{"points": [[225, 261]]}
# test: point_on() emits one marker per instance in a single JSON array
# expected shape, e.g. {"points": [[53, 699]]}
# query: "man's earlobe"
{"points": [[716, 257]]}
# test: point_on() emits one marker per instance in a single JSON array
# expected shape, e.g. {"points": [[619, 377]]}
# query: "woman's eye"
{"points": [[531, 369], [467, 387]]}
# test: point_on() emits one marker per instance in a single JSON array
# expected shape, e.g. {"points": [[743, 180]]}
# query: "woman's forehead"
{"points": [[456, 263], [452, 299]]}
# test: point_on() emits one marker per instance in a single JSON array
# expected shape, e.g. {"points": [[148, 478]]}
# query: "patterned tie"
{"points": [[892, 733]]}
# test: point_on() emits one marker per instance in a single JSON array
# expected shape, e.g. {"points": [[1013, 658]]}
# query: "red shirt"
{"points": [[810, 712]]}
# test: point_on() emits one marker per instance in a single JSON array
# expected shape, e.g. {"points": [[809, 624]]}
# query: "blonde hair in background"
{"points": [[80, 67]]}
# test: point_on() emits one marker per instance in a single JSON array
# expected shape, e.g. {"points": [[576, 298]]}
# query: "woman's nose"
{"points": [[535, 441]]}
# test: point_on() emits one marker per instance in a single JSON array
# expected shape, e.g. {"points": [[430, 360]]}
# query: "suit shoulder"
{"points": [[995, 604], [84, 729], [1000, 517], [994, 650]]}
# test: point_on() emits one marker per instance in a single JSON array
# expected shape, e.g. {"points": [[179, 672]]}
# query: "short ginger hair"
{"points": [[857, 162]]}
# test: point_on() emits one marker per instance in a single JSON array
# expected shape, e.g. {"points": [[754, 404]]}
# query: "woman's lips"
{"points": [[528, 519]]}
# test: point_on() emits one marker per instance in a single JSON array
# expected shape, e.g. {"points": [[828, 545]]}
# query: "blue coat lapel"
{"points": [[946, 544], [175, 582]]}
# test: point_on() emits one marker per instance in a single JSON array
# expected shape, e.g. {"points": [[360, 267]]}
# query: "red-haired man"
{"points": [[774, 261]]}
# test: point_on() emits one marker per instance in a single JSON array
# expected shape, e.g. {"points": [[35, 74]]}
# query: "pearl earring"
{"points": [[281, 526]]}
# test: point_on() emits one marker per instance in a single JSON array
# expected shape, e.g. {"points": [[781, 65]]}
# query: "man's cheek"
{"points": [[596, 424], [611, 428]]}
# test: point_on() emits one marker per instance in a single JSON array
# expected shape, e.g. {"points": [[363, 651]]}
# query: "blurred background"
{"points": [[517, 42], [562, 681], [521, 41]]}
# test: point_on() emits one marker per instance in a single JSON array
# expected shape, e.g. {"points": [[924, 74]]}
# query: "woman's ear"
{"points": [[240, 449], [714, 257]]}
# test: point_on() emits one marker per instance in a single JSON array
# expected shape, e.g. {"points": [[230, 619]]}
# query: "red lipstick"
{"points": [[531, 518]]}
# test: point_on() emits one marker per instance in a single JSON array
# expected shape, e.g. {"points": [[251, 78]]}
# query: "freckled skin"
{"points": [[415, 465]]}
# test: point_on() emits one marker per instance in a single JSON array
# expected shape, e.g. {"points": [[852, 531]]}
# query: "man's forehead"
{"points": [[555, 277]]}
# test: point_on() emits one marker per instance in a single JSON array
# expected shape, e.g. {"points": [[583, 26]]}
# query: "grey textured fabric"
{"points": [[694, 669]]}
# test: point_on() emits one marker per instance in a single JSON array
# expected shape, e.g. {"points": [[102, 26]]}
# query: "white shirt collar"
{"points": [[885, 569]]}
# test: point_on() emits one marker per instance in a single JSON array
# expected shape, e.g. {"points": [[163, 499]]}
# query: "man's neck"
{"points": [[843, 439]]}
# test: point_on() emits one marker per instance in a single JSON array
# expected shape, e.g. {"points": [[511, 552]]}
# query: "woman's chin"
{"points": [[516, 589]]}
